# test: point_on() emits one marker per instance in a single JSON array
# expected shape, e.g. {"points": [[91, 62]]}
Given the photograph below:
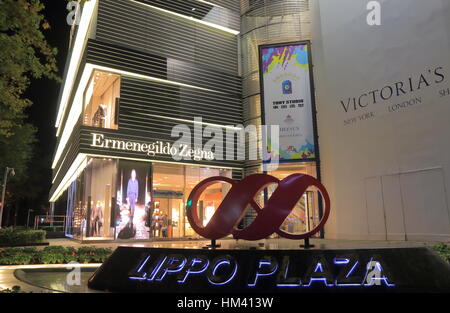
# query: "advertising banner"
{"points": [[133, 200], [286, 80]]}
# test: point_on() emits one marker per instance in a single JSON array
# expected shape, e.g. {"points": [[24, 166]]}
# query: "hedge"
{"points": [[443, 250], [15, 289], [10, 236], [53, 255]]}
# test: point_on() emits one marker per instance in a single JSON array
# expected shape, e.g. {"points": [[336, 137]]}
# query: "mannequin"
{"points": [[99, 119]]}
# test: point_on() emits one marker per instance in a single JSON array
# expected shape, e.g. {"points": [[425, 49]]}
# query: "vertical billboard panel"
{"points": [[133, 199], [286, 97]]}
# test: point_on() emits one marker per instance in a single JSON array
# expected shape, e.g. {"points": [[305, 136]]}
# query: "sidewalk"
{"points": [[8, 277], [234, 244]]}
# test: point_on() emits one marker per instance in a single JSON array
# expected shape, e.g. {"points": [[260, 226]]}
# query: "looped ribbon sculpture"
{"points": [[269, 219]]}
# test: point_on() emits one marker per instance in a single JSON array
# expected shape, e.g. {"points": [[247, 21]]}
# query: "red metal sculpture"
{"points": [[269, 219]]}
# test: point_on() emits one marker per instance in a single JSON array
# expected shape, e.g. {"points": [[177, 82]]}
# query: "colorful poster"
{"points": [[287, 101]]}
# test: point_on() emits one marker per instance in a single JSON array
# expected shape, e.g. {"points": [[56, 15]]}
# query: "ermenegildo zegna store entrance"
{"points": [[362, 104], [109, 194]]}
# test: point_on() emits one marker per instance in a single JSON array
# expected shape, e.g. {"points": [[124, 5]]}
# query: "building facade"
{"points": [[136, 70], [141, 72]]}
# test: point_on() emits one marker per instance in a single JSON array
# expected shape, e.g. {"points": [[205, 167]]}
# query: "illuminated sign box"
{"points": [[275, 271]]}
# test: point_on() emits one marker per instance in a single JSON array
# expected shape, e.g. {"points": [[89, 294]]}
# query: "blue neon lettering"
{"points": [[215, 270], [189, 271], [261, 264]]}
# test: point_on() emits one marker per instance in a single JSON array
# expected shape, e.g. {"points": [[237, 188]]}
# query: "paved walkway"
{"points": [[8, 279], [268, 244]]}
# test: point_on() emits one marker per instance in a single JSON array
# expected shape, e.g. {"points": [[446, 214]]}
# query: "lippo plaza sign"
{"points": [[161, 148], [190, 271], [160, 270]]}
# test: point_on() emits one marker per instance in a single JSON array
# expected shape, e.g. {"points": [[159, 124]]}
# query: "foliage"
{"points": [[53, 255], [92, 255], [10, 236], [25, 54], [443, 250], [15, 289], [52, 228], [17, 256]]}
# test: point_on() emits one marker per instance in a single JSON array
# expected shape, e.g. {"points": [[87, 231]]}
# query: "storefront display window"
{"points": [[89, 206], [131, 200], [76, 209], [101, 100], [172, 185], [100, 177]]}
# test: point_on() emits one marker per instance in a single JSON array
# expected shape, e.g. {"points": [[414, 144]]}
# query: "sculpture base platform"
{"points": [[187, 271]]}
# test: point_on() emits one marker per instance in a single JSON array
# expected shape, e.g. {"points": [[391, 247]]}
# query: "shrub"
{"points": [[70, 255], [15, 289], [93, 255], [52, 229], [443, 250], [10, 236], [53, 255], [16, 256]]}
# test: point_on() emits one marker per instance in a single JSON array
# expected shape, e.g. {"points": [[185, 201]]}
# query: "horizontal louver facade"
{"points": [[172, 70], [130, 23]]}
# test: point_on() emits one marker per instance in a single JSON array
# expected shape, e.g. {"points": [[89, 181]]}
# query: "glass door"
{"points": [[166, 221], [305, 215]]}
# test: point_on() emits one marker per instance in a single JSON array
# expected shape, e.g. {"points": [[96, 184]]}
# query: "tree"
{"points": [[24, 55]]}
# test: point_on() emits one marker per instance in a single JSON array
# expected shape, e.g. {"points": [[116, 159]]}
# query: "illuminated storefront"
{"points": [[133, 94], [119, 174], [364, 114], [104, 199]]}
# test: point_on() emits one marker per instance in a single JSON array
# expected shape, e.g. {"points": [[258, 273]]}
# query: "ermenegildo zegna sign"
{"points": [[132, 269], [151, 148]]}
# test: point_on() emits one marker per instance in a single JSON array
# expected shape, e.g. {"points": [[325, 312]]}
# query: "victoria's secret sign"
{"points": [[182, 151]]}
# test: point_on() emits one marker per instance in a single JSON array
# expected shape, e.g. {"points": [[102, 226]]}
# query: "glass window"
{"points": [[100, 177], [89, 205], [172, 185], [305, 215], [138, 200], [76, 209], [168, 199], [101, 100]]}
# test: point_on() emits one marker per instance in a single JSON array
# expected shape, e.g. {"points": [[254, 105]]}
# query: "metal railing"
{"points": [[56, 223]]}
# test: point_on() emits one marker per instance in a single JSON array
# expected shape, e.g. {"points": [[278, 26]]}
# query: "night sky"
{"points": [[44, 92]]}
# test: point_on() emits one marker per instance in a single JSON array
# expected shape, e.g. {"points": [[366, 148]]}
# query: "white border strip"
{"points": [[75, 57], [74, 171], [43, 266]]}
